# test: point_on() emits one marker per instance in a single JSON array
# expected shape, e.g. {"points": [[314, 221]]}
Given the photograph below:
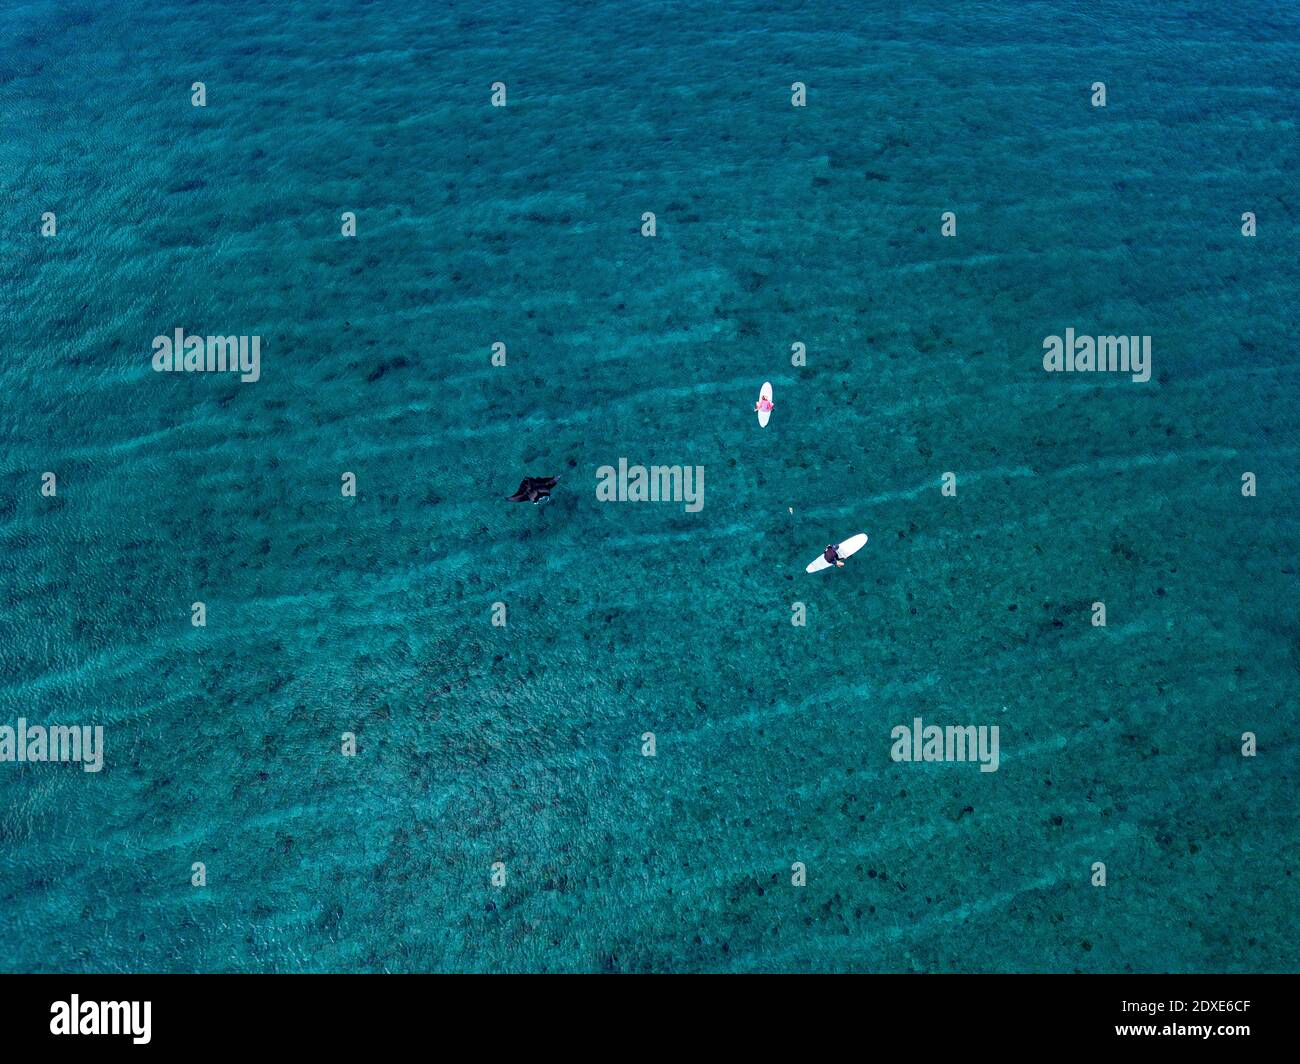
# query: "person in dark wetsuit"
{"points": [[832, 554]]}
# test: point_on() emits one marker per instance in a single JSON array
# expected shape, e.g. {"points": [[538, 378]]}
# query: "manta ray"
{"points": [[534, 489]]}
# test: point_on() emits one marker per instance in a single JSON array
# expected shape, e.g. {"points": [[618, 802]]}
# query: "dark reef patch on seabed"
{"points": [[522, 744]]}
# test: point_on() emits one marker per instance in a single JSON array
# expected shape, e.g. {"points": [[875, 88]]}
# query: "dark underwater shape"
{"points": [[522, 744], [534, 489]]}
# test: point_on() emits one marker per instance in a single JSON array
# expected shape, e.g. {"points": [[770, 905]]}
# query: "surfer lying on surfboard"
{"points": [[835, 553]]}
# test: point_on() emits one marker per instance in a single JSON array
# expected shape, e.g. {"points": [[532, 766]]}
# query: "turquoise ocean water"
{"points": [[522, 744]]}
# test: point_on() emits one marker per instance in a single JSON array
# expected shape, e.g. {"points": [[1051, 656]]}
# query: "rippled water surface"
{"points": [[522, 744]]}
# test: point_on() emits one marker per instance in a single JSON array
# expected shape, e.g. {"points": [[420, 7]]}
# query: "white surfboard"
{"points": [[850, 546], [766, 393]]}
